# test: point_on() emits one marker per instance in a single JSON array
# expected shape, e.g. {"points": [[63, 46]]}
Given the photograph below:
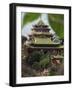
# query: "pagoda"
{"points": [[41, 36], [41, 40]]}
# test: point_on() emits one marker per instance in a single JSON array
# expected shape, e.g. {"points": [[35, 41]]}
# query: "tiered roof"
{"points": [[41, 27], [41, 36]]}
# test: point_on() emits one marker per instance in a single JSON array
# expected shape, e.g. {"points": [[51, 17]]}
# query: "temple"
{"points": [[41, 39], [41, 36]]}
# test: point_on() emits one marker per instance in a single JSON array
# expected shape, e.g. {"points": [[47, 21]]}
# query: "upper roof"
{"points": [[40, 26]]}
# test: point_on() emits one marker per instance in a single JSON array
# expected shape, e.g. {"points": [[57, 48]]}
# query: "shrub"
{"points": [[36, 65], [44, 62], [34, 57], [38, 60]]}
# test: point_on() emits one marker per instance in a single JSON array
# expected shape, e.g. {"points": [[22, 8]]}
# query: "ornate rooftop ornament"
{"points": [[41, 23]]}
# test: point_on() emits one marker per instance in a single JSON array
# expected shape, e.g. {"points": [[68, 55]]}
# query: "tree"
{"points": [[34, 57], [36, 65], [44, 62], [39, 60]]}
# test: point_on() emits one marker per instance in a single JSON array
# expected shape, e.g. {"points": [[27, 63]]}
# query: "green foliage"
{"points": [[29, 17], [39, 60], [44, 62], [52, 73], [57, 23], [36, 65], [34, 57]]}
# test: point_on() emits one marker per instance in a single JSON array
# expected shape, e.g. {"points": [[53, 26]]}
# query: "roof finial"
{"points": [[40, 21]]}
